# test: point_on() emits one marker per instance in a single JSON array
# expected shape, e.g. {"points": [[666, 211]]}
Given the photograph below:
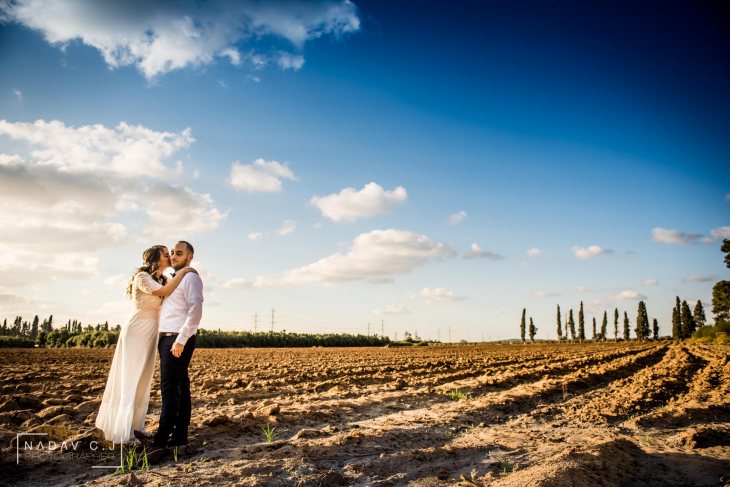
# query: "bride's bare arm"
{"points": [[168, 288]]}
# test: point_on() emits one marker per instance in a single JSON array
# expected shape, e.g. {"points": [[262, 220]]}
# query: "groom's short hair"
{"points": [[188, 246]]}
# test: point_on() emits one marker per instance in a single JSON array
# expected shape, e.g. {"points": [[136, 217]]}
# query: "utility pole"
{"points": [[368, 328], [272, 320], [255, 322], [382, 328], [449, 333], [438, 334]]}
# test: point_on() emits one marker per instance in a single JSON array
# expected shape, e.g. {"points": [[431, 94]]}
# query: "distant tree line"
{"points": [[234, 339], [28, 334], [74, 334]]}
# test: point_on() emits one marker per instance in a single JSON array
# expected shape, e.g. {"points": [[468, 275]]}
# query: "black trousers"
{"points": [[175, 389]]}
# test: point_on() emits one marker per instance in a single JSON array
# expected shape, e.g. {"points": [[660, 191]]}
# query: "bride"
{"points": [[127, 393]]}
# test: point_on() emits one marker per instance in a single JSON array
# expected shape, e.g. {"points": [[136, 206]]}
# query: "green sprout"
{"points": [[269, 432]]}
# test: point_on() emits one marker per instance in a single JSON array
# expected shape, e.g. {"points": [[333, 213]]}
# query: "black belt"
{"points": [[168, 334]]}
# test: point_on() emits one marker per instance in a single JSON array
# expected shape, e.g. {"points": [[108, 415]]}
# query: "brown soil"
{"points": [[654, 414]]}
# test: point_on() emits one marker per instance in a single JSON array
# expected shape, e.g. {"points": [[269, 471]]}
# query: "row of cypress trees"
{"points": [[642, 330]]}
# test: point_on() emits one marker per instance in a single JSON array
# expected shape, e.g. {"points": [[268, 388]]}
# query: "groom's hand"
{"points": [[177, 349]]}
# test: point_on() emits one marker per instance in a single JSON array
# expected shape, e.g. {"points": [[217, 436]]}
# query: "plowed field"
{"points": [[655, 414]]}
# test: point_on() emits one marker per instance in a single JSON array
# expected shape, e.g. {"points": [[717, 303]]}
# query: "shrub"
{"points": [[16, 342]]}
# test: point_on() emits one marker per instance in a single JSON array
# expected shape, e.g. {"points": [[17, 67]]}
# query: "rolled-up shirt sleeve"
{"points": [[192, 286]]}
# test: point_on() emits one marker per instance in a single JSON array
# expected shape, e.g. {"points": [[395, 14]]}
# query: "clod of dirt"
{"points": [[9, 405], [52, 411], [217, 420], [617, 462], [29, 402], [704, 437], [270, 410]]}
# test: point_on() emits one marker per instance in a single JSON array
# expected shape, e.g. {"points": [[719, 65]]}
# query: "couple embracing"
{"points": [[165, 316]]}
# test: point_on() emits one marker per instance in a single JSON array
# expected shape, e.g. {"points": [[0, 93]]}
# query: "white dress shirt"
{"points": [[183, 308]]}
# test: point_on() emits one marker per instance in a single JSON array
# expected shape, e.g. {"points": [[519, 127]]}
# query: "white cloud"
{"points": [[253, 236], [260, 176], [585, 253], [650, 282], [179, 212], [18, 94], [692, 279], [629, 295], [438, 295], [286, 60], [377, 257], [545, 294], [534, 252], [720, 232], [350, 204], [233, 56], [475, 252], [158, 37], [392, 309], [674, 237], [126, 151], [66, 197], [583, 289], [457, 217], [286, 227]]}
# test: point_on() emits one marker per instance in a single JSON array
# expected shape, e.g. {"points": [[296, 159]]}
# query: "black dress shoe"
{"points": [[143, 435]]}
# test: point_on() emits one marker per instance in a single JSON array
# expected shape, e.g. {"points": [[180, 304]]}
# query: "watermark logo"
{"points": [[37, 446]]}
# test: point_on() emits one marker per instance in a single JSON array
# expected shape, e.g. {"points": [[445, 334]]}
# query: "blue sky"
{"points": [[581, 148]]}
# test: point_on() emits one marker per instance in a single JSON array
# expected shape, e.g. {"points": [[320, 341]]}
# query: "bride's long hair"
{"points": [[151, 264]]}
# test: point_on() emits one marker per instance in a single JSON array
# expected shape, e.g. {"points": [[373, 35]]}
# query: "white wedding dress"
{"points": [[127, 393]]}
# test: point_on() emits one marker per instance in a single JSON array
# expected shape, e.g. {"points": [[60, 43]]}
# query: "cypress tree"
{"points": [[679, 317], [522, 325], [626, 326], [595, 330], [533, 330], [571, 325], [604, 326], [699, 315], [581, 324], [615, 324], [676, 325], [642, 322], [655, 329], [560, 326], [688, 325], [4, 330], [34, 328]]}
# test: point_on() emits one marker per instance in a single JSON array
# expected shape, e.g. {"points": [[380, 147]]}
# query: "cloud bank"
{"points": [[74, 191], [158, 37]]}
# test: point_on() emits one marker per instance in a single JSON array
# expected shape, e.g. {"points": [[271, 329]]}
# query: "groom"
{"points": [[179, 320]]}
